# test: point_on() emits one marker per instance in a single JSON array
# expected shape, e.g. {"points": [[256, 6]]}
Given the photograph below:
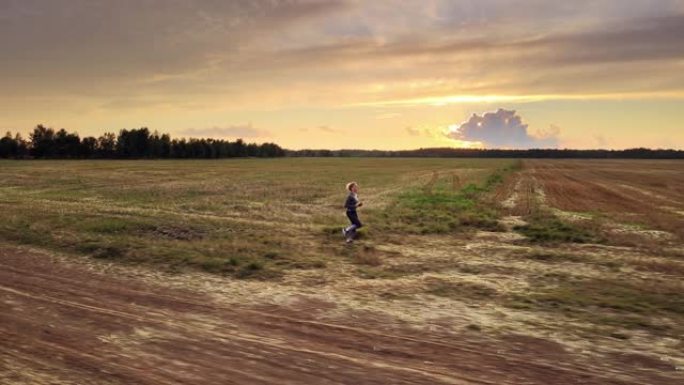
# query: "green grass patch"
{"points": [[547, 228], [442, 207]]}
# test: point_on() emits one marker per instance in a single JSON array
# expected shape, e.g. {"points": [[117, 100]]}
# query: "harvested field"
{"points": [[211, 276], [639, 192]]}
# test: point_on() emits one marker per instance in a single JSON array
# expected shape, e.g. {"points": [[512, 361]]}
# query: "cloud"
{"points": [[633, 55], [419, 132], [156, 56], [549, 134], [653, 38], [412, 131], [388, 115], [600, 140], [81, 40], [239, 131], [504, 129], [328, 129]]}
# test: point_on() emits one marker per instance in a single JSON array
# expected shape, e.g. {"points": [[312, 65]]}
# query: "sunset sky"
{"points": [[351, 74]]}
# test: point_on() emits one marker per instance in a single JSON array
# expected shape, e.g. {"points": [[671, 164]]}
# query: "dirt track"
{"points": [[64, 324]]}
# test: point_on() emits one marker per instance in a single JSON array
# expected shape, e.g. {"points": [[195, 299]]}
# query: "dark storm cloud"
{"points": [[502, 129]]}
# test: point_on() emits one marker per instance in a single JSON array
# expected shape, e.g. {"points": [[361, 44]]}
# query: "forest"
{"points": [[47, 143], [634, 153]]}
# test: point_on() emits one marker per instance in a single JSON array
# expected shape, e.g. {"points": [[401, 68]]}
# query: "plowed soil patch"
{"points": [[645, 192]]}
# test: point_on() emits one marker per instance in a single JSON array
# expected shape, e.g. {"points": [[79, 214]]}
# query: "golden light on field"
{"points": [[350, 74]]}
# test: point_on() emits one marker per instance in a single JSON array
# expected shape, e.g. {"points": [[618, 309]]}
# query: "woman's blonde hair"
{"points": [[350, 185]]}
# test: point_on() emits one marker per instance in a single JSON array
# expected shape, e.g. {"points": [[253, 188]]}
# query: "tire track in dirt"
{"points": [[84, 327]]}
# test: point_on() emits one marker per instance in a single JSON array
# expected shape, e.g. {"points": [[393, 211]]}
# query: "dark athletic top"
{"points": [[351, 202]]}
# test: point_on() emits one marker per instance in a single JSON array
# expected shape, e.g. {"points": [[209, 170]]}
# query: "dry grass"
{"points": [[659, 265], [222, 216], [435, 250]]}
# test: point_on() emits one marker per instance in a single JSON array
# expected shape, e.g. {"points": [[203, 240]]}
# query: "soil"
{"points": [[63, 322]]}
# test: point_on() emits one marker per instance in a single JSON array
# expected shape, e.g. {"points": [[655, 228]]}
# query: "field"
{"points": [[235, 271]]}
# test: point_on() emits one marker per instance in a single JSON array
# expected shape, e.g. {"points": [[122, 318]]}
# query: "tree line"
{"points": [[634, 153], [47, 143]]}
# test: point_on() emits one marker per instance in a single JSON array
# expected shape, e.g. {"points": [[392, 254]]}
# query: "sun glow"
{"points": [[465, 144], [439, 101], [453, 128]]}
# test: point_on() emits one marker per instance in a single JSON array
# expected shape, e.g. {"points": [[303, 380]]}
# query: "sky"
{"points": [[349, 73]]}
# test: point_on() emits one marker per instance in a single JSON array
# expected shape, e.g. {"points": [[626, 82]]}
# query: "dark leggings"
{"points": [[355, 223]]}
